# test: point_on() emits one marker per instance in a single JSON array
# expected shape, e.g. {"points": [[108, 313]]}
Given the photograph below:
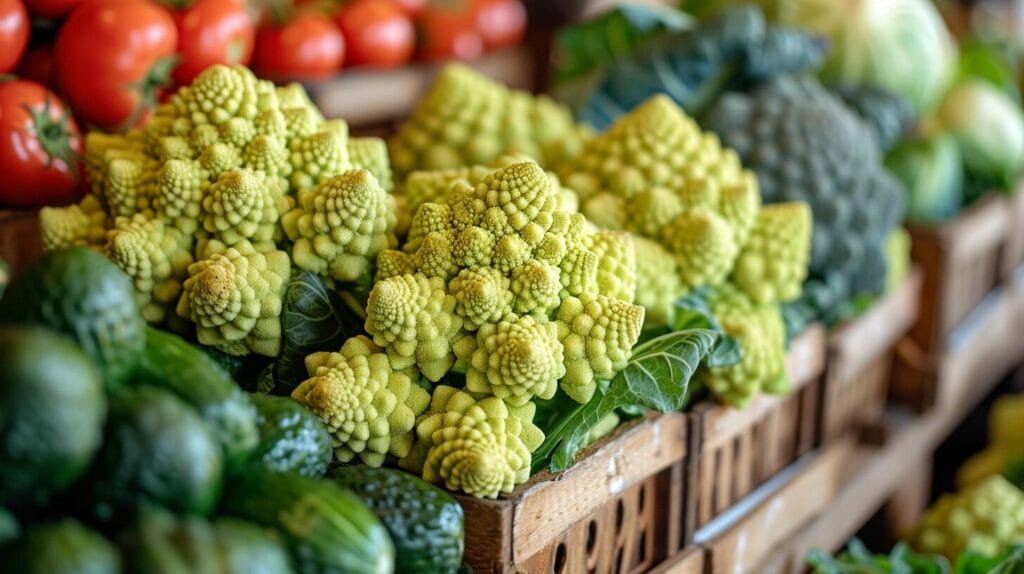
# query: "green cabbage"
{"points": [[901, 45], [989, 128], [932, 173]]}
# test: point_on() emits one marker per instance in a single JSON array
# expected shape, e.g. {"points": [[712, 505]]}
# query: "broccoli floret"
{"points": [[234, 297], [515, 359], [341, 225], [598, 333], [762, 337], [156, 257], [466, 119], [369, 408], [481, 447], [773, 265], [83, 223]]}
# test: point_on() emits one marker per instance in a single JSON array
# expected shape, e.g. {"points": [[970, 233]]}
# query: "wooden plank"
{"points": [[689, 561], [546, 509], [365, 97], [741, 548], [856, 343], [1013, 251]]}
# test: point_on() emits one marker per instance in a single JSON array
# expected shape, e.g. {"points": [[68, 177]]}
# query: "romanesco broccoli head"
{"points": [[341, 225], [616, 263], [83, 223], [481, 447], [234, 297], [242, 205], [773, 264], [156, 257], [985, 518], [371, 154], [762, 336], [466, 119], [515, 359], [369, 407]]}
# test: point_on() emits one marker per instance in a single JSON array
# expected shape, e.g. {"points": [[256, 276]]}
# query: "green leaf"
{"points": [[656, 378], [314, 319], [595, 43], [693, 312], [857, 559], [1010, 562]]}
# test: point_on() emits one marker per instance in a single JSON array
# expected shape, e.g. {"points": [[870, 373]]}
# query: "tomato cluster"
{"points": [[111, 61]]}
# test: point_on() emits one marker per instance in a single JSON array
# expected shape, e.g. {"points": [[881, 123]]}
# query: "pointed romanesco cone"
{"points": [[341, 225], [762, 336], [316, 157], [369, 408], [242, 205], [371, 154], [482, 295], [598, 334], [616, 263], [480, 447], [181, 185], [156, 257], [773, 264], [516, 359], [431, 186], [413, 317], [234, 297], [82, 223]]}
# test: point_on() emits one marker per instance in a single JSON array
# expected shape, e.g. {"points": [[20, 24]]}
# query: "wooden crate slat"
{"points": [[748, 542], [690, 561]]}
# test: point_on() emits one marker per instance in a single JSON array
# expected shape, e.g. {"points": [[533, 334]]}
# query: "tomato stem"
{"points": [[158, 77], [54, 135]]}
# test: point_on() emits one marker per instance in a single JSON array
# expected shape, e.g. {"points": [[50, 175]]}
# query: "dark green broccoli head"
{"points": [[805, 144], [888, 114]]}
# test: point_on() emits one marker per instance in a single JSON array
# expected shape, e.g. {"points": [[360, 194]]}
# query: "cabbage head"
{"points": [[931, 170]]}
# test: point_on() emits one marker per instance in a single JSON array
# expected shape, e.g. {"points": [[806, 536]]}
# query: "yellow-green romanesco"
{"points": [[984, 518], [234, 297], [156, 257], [340, 225], [371, 154], [466, 119], [761, 333], [481, 447], [369, 407], [773, 265], [84, 223]]}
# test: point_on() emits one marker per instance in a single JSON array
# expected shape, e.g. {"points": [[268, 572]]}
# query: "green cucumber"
{"points": [[292, 438]]}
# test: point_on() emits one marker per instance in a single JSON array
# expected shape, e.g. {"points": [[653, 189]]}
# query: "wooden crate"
{"points": [[735, 451], [19, 237], [977, 356], [1013, 251], [961, 260], [617, 510], [689, 561], [749, 544], [860, 354]]}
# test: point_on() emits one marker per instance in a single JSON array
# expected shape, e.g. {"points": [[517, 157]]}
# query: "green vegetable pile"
{"points": [[700, 230], [857, 559], [122, 457]]}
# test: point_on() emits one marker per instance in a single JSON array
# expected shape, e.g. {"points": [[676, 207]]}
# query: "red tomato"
{"points": [[51, 9], [13, 33], [501, 23], [308, 46], [212, 32], [378, 33], [113, 58], [38, 146], [412, 7], [447, 30], [38, 65]]}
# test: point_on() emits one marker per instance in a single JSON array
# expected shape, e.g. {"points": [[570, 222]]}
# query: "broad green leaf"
{"points": [[314, 319]]}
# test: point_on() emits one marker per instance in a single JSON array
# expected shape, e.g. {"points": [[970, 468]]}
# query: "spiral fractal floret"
{"points": [[369, 407]]}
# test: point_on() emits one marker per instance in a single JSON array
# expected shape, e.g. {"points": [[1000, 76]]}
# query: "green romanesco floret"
{"points": [[181, 185], [243, 205], [481, 447], [83, 223], [369, 408], [984, 518], [598, 333], [340, 226], [371, 154], [658, 284], [156, 257], [431, 186], [234, 297], [773, 265], [413, 317], [482, 295], [616, 263], [515, 359], [466, 119], [762, 336], [130, 186], [316, 157], [655, 174]]}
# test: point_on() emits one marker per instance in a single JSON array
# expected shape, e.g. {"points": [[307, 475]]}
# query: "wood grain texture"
{"points": [[690, 561]]}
